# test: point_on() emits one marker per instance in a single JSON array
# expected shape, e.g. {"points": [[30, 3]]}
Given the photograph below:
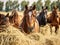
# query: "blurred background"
{"points": [[8, 5]]}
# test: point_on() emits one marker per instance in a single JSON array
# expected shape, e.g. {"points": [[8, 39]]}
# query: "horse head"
{"points": [[4, 19], [29, 20], [30, 14], [14, 18]]}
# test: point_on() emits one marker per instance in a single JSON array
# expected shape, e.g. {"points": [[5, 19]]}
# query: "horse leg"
{"points": [[56, 28], [51, 29]]}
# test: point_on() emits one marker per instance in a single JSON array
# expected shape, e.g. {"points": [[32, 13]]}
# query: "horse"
{"points": [[15, 19], [53, 20], [30, 22], [42, 17], [4, 20]]}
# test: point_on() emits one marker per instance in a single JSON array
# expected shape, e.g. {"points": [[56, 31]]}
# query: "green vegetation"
{"points": [[47, 3], [23, 3], [1, 5], [15, 5], [11, 5]]}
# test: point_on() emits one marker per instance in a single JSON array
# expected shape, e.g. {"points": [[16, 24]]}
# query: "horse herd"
{"points": [[31, 22]]}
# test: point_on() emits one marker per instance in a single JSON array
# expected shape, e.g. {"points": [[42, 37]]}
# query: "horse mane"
{"points": [[26, 16]]}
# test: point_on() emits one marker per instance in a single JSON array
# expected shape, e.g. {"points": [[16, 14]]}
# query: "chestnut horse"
{"points": [[15, 19], [29, 20], [53, 20]]}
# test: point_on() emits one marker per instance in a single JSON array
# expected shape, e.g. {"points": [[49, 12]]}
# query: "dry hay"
{"points": [[13, 36]]}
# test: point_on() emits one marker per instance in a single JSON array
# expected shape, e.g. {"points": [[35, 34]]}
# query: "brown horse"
{"points": [[53, 20], [15, 19], [4, 20], [29, 20]]}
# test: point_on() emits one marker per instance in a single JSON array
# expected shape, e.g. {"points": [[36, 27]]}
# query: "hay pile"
{"points": [[13, 36]]}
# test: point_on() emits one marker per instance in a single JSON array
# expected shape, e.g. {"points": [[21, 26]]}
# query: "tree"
{"points": [[39, 5], [8, 5], [58, 3], [53, 4], [34, 3], [15, 5], [23, 3], [47, 3], [1, 5], [11, 5]]}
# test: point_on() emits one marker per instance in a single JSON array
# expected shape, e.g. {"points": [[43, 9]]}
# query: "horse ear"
{"points": [[34, 7], [7, 15], [26, 7], [42, 7], [46, 7]]}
